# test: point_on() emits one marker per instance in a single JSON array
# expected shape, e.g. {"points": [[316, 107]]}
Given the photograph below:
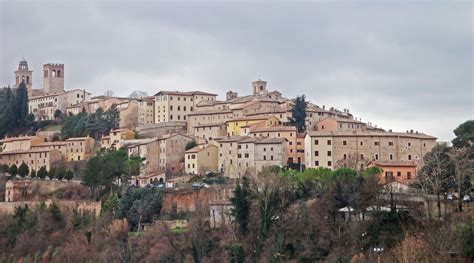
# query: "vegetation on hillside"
{"points": [[93, 124], [14, 116]]}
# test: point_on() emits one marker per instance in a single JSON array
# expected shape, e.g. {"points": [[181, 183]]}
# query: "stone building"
{"points": [[236, 126], [43, 107], [53, 78], [325, 149], [80, 148], [201, 159], [92, 105], [146, 111], [400, 171], [210, 131], [116, 138], [23, 74], [343, 125], [242, 155], [61, 146], [176, 105], [21, 143], [172, 148], [16, 191], [128, 114], [34, 158]]}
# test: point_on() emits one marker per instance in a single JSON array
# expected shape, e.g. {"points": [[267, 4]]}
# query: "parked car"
{"points": [[199, 185], [466, 198], [450, 197]]}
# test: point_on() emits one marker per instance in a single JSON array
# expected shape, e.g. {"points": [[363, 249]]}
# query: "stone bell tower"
{"points": [[53, 78], [259, 88], [25, 75]]}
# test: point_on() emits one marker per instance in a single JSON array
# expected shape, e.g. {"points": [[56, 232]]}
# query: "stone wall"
{"points": [[94, 207], [190, 200]]}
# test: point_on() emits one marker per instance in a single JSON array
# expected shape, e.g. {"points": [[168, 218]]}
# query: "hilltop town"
{"points": [[198, 154]]}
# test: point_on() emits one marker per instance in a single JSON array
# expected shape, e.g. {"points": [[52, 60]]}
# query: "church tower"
{"points": [[259, 88], [53, 78], [23, 74]]}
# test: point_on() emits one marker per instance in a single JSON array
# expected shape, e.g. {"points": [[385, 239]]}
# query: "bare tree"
{"points": [[138, 94], [109, 93], [463, 167]]}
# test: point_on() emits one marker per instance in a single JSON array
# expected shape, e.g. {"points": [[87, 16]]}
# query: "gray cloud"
{"points": [[401, 65]]}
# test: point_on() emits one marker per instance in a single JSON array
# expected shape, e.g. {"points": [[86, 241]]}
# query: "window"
{"points": [[345, 156], [409, 143], [271, 157], [376, 143], [329, 142], [390, 143], [316, 163], [344, 142], [329, 163], [316, 153], [361, 143], [361, 156], [264, 157], [409, 157], [239, 155], [388, 175], [408, 175], [316, 142], [399, 174], [424, 144], [376, 156], [322, 127], [329, 153], [391, 156]]}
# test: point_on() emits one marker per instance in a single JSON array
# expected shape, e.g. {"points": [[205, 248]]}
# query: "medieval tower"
{"points": [[25, 75], [53, 78], [259, 88]]}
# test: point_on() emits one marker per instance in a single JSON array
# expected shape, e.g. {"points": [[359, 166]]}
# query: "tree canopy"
{"points": [[94, 124], [14, 116], [464, 134], [299, 113]]}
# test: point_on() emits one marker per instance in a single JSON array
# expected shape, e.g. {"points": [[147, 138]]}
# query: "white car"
{"points": [[466, 198]]}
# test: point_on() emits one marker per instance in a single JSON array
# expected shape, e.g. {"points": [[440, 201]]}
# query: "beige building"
{"points": [[61, 146], [128, 114], [243, 155], [43, 107], [286, 132], [149, 151], [326, 149], [176, 105], [146, 111], [172, 148], [201, 159], [210, 132], [80, 148], [35, 159], [22, 143], [343, 125], [92, 105], [53, 78], [116, 138]]}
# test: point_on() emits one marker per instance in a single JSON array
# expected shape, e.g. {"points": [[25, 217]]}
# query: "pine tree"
{"points": [[299, 113], [23, 170], [42, 173], [241, 203], [13, 170], [33, 173], [69, 175]]}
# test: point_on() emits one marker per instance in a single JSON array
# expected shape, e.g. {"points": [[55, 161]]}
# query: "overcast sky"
{"points": [[402, 65]]}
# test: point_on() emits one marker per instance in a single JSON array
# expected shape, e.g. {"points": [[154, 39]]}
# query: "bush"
{"points": [[42, 173], [23, 170]]}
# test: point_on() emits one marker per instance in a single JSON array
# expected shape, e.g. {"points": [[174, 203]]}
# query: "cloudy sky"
{"points": [[399, 64]]}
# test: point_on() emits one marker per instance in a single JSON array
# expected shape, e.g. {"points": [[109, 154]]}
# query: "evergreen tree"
{"points": [[13, 170], [190, 145], [69, 175], [23, 170], [33, 173], [42, 173], [60, 173], [464, 135], [52, 173], [241, 203], [21, 105], [299, 113]]}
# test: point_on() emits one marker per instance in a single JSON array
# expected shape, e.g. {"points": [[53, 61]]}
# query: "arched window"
{"points": [[54, 73], [45, 73], [59, 73], [27, 79]]}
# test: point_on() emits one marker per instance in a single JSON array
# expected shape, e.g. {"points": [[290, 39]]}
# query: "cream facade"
{"points": [[43, 107], [22, 143], [325, 149], [201, 159], [116, 138], [80, 148], [171, 151], [148, 150], [35, 159], [243, 155], [175, 105], [210, 132], [146, 111]]}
